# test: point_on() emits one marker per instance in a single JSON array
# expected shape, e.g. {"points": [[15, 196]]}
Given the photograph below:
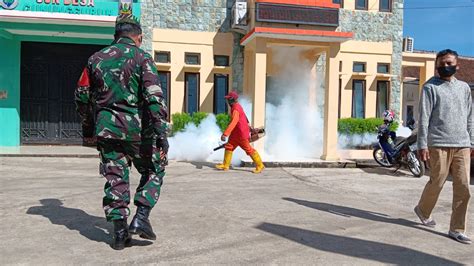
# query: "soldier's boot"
{"points": [[122, 238], [258, 163], [141, 225], [227, 159]]}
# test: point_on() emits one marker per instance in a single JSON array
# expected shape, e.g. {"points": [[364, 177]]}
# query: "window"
{"points": [[340, 95], [221, 60], [340, 2], [358, 98], [164, 77], [358, 67], [221, 88], [385, 5], [192, 92], [383, 68], [192, 59], [382, 97], [340, 66], [410, 113], [162, 57], [361, 4]]}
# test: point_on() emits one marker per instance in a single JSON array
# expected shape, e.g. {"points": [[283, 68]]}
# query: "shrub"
{"points": [[197, 117], [358, 126], [223, 120], [180, 120]]}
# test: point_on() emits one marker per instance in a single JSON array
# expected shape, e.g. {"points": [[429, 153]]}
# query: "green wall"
{"points": [[10, 82]]}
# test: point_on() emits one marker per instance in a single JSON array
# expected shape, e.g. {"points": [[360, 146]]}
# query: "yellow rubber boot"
{"points": [[258, 163], [227, 159]]}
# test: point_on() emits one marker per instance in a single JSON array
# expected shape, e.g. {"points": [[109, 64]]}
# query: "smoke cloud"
{"points": [[294, 121]]}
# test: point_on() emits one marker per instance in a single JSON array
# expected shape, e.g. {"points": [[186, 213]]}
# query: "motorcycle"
{"points": [[390, 150]]}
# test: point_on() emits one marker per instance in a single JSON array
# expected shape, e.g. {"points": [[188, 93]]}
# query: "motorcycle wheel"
{"points": [[415, 165], [381, 158]]}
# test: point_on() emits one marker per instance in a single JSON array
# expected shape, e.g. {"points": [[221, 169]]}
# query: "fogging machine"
{"points": [[255, 134]]}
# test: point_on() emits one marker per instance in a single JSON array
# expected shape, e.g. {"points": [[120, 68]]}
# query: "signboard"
{"points": [[79, 7], [297, 14]]}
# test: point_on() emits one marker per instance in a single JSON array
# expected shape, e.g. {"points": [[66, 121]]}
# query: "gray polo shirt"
{"points": [[446, 115]]}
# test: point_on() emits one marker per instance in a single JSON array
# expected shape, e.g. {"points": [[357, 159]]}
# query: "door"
{"points": [[221, 88], [49, 74], [192, 92]]}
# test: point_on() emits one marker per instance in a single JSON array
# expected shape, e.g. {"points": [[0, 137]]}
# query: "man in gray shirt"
{"points": [[445, 137]]}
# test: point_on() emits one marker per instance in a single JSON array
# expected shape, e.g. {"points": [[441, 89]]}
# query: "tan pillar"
{"points": [[256, 57], [426, 72], [331, 104]]}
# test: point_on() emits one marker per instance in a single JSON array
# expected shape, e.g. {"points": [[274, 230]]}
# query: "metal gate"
{"points": [[49, 74]]}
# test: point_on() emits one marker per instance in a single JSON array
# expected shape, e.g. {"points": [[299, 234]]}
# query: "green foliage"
{"points": [[354, 126], [223, 120], [180, 120], [197, 117]]}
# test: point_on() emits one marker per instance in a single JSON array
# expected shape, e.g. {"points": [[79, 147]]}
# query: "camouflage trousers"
{"points": [[116, 158]]}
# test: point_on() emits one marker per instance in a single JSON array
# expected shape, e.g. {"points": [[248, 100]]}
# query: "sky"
{"points": [[439, 24]]}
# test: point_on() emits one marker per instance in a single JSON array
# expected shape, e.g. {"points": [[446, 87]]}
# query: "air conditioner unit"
{"points": [[408, 44], [239, 16]]}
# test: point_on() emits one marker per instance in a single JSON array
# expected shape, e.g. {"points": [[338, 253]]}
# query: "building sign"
{"points": [[79, 7], [297, 14], [8, 4]]}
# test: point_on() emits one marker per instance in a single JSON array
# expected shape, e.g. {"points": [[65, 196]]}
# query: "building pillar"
{"points": [[255, 80], [331, 104], [426, 72]]}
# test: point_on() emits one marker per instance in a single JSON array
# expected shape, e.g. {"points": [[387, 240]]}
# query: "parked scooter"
{"points": [[392, 151]]}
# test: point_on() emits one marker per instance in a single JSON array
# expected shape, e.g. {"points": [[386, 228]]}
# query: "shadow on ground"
{"points": [[358, 248], [201, 165], [92, 227], [349, 212]]}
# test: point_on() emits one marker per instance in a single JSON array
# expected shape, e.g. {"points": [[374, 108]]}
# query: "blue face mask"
{"points": [[446, 71]]}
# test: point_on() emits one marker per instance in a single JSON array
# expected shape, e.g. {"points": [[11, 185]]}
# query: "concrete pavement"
{"points": [[51, 214]]}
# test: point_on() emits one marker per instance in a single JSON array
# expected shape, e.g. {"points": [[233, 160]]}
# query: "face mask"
{"points": [[447, 71]]}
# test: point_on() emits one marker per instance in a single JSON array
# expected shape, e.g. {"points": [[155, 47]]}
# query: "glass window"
{"points": [[382, 97], [386, 5], [410, 113], [340, 2], [221, 60], [221, 88], [358, 99], [340, 95], [358, 67], [192, 92], [361, 4], [192, 59], [164, 77], [383, 68], [162, 57]]}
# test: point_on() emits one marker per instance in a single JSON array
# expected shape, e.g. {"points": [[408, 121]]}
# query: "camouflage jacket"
{"points": [[119, 94]]}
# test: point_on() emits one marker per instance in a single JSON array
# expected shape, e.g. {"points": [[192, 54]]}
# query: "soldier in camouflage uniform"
{"points": [[120, 102]]}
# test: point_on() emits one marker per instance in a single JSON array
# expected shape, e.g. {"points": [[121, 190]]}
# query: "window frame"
{"points": [[168, 53], [341, 4], [383, 64], [186, 89], [366, 6], [363, 96], [362, 63], [387, 98], [168, 90], [222, 56], [390, 3], [227, 76], [186, 54], [340, 99]]}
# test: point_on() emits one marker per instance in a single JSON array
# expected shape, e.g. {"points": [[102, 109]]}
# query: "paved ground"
{"points": [[51, 214]]}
